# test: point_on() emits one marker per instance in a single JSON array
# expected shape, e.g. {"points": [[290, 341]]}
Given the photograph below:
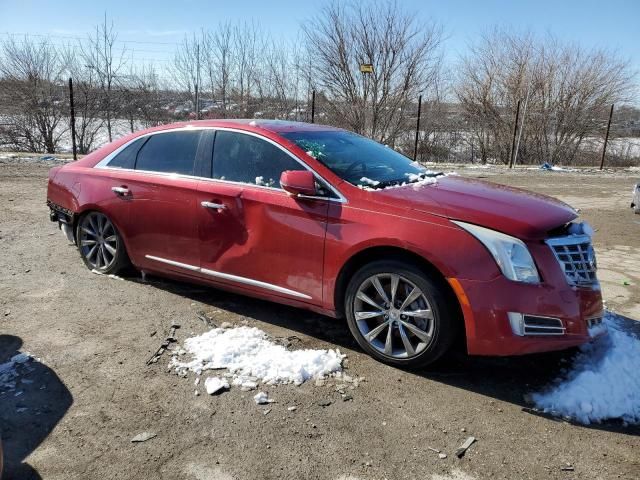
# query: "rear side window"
{"points": [[127, 157], [239, 157], [172, 152]]}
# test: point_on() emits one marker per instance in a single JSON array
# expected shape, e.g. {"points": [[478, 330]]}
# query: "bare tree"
{"points": [[248, 41], [219, 48], [564, 89], [87, 98], [404, 52], [186, 64], [32, 73], [102, 57]]}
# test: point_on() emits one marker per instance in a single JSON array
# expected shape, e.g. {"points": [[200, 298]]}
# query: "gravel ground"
{"points": [[90, 391]]}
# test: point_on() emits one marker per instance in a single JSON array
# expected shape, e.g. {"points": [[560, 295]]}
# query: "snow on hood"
{"points": [[510, 210], [603, 382]]}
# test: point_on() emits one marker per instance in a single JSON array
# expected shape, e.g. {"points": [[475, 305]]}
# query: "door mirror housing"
{"points": [[298, 182]]}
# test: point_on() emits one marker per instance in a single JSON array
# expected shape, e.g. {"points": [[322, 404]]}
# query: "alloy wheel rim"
{"points": [[393, 315], [98, 241]]}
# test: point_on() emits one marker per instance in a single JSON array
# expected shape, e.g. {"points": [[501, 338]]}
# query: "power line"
{"points": [[75, 37]]}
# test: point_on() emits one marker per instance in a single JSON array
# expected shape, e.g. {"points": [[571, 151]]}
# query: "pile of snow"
{"points": [[603, 382], [414, 180], [250, 357], [368, 181]]}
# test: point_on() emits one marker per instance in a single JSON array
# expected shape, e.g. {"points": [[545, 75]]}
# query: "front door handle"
{"points": [[214, 206], [123, 191]]}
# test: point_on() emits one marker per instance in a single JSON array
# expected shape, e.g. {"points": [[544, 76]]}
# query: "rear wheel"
{"points": [[100, 244], [398, 314]]}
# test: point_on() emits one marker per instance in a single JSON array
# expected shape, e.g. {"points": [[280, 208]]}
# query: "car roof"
{"points": [[275, 126]]}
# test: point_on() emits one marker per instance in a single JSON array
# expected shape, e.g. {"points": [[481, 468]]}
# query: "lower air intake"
{"points": [[534, 325], [522, 324]]}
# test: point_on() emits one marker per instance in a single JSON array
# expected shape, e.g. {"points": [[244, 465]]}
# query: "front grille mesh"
{"points": [[576, 258]]}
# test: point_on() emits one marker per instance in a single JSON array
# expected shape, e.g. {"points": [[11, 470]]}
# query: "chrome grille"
{"points": [[576, 258]]}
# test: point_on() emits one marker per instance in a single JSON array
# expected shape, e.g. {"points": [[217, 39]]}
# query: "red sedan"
{"points": [[324, 219]]}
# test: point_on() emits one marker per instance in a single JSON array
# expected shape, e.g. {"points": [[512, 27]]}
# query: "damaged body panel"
{"points": [[497, 262]]}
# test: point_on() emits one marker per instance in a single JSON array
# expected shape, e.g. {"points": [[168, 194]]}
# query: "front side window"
{"points": [[358, 160], [239, 157], [171, 152]]}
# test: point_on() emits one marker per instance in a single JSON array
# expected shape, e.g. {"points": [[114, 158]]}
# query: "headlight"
{"points": [[511, 255]]}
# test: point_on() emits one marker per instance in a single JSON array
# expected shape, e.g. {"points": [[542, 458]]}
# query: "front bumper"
{"points": [[486, 306]]}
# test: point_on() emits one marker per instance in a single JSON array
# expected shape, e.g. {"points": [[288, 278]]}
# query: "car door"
{"points": [[162, 231], [252, 233]]}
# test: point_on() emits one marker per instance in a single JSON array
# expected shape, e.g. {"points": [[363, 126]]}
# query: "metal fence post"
{"points": [[515, 131], [313, 106], [606, 138], [73, 120], [415, 145]]}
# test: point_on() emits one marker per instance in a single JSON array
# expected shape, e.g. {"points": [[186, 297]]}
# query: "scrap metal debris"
{"points": [[208, 321], [464, 447], [165, 344]]}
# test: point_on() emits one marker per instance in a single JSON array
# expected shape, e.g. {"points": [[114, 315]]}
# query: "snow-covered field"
{"points": [[603, 382], [251, 358]]}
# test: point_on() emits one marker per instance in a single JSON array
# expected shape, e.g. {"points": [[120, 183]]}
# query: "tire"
{"points": [[428, 324], [100, 244]]}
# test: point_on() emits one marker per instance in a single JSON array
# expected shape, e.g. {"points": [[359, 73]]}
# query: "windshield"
{"points": [[357, 159]]}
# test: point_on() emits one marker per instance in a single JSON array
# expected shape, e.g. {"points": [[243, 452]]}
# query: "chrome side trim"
{"points": [[255, 283], [104, 163], [233, 278], [173, 263]]}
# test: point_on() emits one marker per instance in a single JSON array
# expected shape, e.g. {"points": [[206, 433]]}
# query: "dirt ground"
{"points": [[91, 392]]}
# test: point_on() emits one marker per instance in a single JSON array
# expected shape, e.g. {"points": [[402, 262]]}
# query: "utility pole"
{"points": [[313, 106], [415, 145], [606, 138], [515, 132], [73, 120], [366, 69]]}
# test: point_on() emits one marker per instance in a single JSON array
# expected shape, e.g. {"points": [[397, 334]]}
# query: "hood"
{"points": [[516, 212]]}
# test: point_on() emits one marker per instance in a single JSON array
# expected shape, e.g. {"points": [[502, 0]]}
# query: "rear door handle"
{"points": [[123, 191], [214, 206]]}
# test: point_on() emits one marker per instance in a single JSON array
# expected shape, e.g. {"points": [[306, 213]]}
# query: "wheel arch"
{"points": [[367, 255], [88, 208]]}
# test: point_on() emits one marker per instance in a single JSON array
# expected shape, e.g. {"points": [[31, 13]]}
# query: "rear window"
{"points": [[171, 152]]}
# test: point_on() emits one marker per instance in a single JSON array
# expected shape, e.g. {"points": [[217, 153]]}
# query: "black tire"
{"points": [[109, 239], [443, 313]]}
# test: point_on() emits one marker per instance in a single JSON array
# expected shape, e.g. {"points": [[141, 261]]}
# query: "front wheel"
{"points": [[100, 244], [398, 314]]}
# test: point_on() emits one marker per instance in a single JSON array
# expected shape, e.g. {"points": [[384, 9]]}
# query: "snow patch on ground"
{"points": [[9, 371], [251, 357], [603, 382]]}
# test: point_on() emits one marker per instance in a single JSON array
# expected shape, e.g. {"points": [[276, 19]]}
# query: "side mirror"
{"points": [[298, 182]]}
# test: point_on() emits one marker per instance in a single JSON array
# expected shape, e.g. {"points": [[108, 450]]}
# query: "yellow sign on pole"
{"points": [[366, 68]]}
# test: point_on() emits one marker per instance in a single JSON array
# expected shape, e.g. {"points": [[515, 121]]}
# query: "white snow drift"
{"points": [[247, 352], [603, 383]]}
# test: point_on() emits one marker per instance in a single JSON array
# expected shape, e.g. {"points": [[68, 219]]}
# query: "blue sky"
{"points": [[158, 25]]}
